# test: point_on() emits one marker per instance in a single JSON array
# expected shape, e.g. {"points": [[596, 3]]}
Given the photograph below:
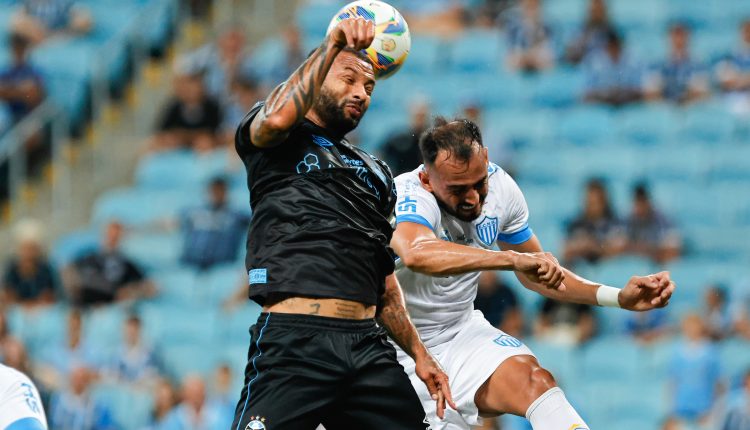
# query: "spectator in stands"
{"points": [[214, 232], [222, 397], [222, 63], [193, 412], [107, 275], [592, 38], [672, 423], [21, 84], [498, 147], [737, 416], [596, 233], [165, 399], [530, 40], [9, 344], [649, 233], [680, 78], [565, 323], [245, 92], [612, 77], [716, 315], [135, 361], [401, 150], [67, 354], [499, 304], [734, 71], [41, 19], [694, 373], [647, 327], [741, 316], [29, 278], [76, 408], [191, 118]]}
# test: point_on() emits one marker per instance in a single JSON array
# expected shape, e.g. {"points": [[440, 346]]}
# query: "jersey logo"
{"points": [[256, 423], [308, 164], [321, 141], [487, 230], [507, 340], [258, 276]]}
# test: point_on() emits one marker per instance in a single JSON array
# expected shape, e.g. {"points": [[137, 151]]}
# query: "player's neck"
{"points": [[316, 119]]}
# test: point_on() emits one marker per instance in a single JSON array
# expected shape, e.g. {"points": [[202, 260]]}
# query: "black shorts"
{"points": [[306, 370]]}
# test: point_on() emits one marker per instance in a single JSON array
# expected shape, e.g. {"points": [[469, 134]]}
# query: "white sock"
{"points": [[551, 411]]}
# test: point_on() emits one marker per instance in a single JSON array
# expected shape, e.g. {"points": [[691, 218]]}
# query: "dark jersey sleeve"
{"points": [[242, 142], [170, 117]]}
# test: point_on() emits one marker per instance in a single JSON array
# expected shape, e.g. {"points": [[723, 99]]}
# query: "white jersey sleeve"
{"points": [[20, 404], [515, 229], [415, 204]]}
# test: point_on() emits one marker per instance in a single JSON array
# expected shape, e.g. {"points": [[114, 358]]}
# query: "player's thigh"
{"points": [[381, 397], [513, 386]]}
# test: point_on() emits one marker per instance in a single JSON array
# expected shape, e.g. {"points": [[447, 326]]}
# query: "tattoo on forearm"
{"points": [[302, 87], [315, 309], [395, 319]]}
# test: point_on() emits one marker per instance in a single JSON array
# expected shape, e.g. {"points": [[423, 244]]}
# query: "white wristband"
{"points": [[608, 296]]}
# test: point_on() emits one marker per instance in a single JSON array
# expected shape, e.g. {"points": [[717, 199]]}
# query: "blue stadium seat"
{"points": [[424, 55], [564, 362], [103, 328], [646, 124], [153, 251], [565, 13], [177, 286], [556, 89], [183, 359], [73, 245], [140, 208], [735, 358], [313, 18], [585, 125], [234, 325], [170, 170], [525, 127], [477, 51], [617, 271], [709, 123], [635, 14], [169, 324], [612, 358], [131, 407]]}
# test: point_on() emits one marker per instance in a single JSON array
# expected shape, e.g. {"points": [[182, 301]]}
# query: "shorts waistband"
{"points": [[316, 321]]}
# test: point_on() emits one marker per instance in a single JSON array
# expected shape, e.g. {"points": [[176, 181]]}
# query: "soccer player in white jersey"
{"points": [[449, 213], [20, 404]]}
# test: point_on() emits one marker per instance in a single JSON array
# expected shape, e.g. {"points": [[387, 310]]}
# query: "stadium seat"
{"points": [[103, 328], [646, 124], [424, 54], [477, 51], [735, 359], [708, 123], [183, 359], [556, 89], [73, 245], [141, 208], [235, 324], [564, 362], [131, 407], [612, 358], [153, 251], [585, 125]]}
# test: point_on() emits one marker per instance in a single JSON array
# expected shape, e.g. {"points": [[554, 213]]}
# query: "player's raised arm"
{"points": [[392, 315], [641, 293], [289, 102]]}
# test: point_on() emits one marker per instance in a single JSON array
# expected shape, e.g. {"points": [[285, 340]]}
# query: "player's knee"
{"points": [[540, 381]]}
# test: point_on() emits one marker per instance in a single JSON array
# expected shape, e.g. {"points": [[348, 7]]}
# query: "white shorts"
{"points": [[19, 399], [469, 359]]}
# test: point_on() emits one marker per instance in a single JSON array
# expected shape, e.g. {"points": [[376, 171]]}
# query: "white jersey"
{"points": [[20, 404], [439, 306]]}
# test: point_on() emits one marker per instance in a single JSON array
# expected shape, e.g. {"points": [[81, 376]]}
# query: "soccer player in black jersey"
{"points": [[318, 259]]}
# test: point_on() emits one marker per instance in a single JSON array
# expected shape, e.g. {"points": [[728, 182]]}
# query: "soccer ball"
{"points": [[392, 39]]}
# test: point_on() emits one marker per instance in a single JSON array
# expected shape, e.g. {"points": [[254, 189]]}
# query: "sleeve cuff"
{"points": [[418, 219], [518, 237]]}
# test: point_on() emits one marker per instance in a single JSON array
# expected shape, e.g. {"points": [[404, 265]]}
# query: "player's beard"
{"points": [[462, 215], [333, 113]]}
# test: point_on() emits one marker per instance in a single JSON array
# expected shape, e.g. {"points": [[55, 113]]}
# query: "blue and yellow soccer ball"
{"points": [[392, 42]]}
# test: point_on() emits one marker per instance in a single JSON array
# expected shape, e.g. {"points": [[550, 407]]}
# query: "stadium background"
{"points": [[105, 89]]}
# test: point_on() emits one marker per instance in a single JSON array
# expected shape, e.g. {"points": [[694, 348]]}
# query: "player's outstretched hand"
{"points": [[355, 33], [542, 268], [430, 372], [643, 293]]}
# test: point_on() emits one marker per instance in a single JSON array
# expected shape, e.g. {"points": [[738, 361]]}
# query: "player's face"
{"points": [[345, 94], [460, 187]]}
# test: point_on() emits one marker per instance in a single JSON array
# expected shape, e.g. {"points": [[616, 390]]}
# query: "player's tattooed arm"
{"points": [[289, 102], [394, 318]]}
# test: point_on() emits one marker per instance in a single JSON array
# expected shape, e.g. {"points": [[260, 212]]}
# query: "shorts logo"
{"points": [[256, 423], [506, 340], [258, 276], [487, 230]]}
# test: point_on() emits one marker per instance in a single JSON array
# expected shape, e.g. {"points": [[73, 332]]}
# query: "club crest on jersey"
{"points": [[487, 230], [256, 423], [507, 340]]}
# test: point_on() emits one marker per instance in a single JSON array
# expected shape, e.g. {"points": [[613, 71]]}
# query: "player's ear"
{"points": [[424, 177], [485, 154]]}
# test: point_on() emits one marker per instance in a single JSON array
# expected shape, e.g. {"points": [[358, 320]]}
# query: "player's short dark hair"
{"points": [[18, 41], [640, 191], [133, 319], [613, 38], [458, 137], [218, 181]]}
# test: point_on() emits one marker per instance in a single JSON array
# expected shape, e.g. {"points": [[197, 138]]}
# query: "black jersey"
{"points": [[321, 209]]}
